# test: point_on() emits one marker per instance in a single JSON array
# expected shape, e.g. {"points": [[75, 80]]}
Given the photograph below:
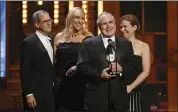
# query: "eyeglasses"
{"points": [[46, 21]]}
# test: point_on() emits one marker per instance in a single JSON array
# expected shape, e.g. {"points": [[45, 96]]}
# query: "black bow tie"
{"points": [[109, 40]]}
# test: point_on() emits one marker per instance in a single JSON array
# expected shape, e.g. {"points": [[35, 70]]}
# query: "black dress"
{"points": [[138, 97], [71, 91]]}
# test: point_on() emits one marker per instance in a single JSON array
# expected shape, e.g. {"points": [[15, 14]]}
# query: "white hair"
{"points": [[100, 16]]}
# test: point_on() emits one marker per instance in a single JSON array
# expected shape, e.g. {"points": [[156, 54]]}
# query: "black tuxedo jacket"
{"points": [[36, 70], [92, 61]]}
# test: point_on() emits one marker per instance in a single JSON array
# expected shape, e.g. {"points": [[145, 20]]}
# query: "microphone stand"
{"points": [[110, 100], [110, 103], [110, 60]]}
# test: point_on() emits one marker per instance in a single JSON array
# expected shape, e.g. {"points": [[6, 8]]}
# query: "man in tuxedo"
{"points": [[36, 66], [106, 92]]}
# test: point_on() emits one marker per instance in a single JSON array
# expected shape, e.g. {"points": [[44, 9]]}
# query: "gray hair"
{"points": [[36, 15], [100, 16]]}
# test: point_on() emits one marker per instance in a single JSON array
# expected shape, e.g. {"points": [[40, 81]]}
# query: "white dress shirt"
{"points": [[105, 40]]}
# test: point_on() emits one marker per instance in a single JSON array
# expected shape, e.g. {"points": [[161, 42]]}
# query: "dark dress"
{"points": [[71, 91], [138, 97]]}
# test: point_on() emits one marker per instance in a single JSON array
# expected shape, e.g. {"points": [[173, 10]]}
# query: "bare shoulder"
{"points": [[58, 39], [87, 35], [145, 47], [141, 43], [58, 36]]}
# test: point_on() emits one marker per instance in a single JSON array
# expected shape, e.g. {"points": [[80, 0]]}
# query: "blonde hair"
{"points": [[68, 30]]}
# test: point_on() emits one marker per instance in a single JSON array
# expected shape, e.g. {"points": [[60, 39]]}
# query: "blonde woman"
{"points": [[67, 43], [129, 25]]}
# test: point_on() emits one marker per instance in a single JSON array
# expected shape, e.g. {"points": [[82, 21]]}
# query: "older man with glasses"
{"points": [[36, 66]]}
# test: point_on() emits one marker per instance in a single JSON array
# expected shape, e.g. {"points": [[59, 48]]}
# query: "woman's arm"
{"points": [[145, 66]]}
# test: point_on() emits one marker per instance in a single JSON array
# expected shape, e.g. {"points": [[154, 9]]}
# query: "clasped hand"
{"points": [[71, 71], [114, 67]]}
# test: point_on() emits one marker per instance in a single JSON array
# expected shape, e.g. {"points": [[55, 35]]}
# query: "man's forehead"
{"points": [[42, 15], [106, 17]]}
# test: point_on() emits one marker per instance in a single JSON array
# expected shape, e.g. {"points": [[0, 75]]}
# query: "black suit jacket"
{"points": [[91, 62], [36, 70]]}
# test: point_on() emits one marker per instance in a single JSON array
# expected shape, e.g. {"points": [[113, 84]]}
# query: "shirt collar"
{"points": [[106, 39], [41, 36]]}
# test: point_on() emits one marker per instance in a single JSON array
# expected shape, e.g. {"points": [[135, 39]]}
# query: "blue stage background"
{"points": [[3, 38]]}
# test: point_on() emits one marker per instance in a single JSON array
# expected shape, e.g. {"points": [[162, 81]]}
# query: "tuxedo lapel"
{"points": [[52, 44], [118, 48], [102, 51], [51, 41], [42, 48]]}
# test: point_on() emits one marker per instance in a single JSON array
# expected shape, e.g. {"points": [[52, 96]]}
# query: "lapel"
{"points": [[52, 44], [118, 48], [51, 41], [42, 48], [102, 51]]}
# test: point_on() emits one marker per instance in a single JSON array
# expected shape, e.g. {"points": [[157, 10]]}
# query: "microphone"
{"points": [[112, 44]]}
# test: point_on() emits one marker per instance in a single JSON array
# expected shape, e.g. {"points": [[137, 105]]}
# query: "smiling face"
{"points": [[107, 25], [127, 30], [78, 22], [129, 25], [44, 24]]}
